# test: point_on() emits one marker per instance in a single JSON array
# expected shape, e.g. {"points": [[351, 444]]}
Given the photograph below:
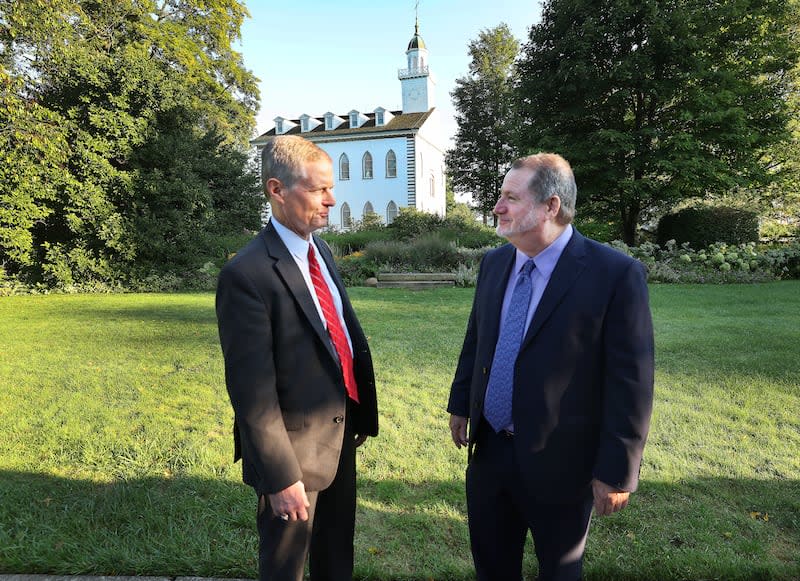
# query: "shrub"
{"points": [[356, 268], [411, 223], [346, 243], [430, 253], [717, 263], [370, 221], [701, 226], [602, 231]]}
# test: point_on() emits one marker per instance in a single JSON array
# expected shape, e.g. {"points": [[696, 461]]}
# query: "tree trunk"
{"points": [[630, 221]]}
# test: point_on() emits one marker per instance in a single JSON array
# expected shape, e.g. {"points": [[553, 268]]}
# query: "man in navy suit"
{"points": [[554, 386], [298, 371]]}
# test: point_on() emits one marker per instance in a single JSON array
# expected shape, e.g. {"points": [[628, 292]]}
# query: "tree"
{"points": [[117, 81], [654, 101], [781, 198], [483, 101]]}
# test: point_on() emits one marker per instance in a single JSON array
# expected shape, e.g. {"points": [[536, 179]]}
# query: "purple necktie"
{"points": [[500, 390]]}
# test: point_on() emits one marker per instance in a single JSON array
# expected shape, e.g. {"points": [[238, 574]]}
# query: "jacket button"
{"points": [[338, 419]]}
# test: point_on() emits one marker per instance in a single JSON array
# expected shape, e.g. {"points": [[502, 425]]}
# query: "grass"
{"points": [[115, 442]]}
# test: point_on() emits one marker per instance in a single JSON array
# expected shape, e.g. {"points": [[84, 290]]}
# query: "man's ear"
{"points": [[553, 206], [275, 190]]}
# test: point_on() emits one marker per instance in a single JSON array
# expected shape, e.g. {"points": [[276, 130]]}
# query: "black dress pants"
{"points": [[501, 512], [326, 538]]}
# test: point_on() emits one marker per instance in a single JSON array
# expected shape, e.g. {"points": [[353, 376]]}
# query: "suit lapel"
{"points": [[567, 270], [497, 290], [289, 272]]}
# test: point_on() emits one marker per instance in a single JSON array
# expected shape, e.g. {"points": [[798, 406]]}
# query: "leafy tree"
{"points": [[781, 198], [654, 101], [483, 101], [121, 80]]}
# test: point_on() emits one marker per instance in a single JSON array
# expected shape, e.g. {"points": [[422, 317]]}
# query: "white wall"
{"points": [[379, 190]]}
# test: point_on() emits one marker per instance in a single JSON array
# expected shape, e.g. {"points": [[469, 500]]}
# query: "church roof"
{"points": [[416, 42], [400, 122]]}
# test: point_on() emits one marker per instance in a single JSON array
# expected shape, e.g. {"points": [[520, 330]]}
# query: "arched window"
{"points": [[366, 166], [391, 164], [432, 182], [368, 209], [391, 212], [344, 167], [347, 221]]}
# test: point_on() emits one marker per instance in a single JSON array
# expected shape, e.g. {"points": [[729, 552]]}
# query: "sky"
{"points": [[315, 56]]}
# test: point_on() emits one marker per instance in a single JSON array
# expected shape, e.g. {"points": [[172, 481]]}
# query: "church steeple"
{"points": [[416, 80], [416, 40]]}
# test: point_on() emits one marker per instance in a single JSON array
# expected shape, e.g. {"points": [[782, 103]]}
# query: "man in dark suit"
{"points": [[298, 371], [553, 389]]}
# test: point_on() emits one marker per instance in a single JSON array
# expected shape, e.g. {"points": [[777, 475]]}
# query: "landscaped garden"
{"points": [[116, 447]]}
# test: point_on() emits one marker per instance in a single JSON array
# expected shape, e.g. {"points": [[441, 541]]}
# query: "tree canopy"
{"points": [[126, 124], [483, 101], [654, 101]]}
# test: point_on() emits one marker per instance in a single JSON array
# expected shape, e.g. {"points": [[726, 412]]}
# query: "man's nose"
{"points": [[329, 199]]}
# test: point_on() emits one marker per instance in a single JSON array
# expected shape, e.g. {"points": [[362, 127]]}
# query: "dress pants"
{"points": [[501, 512], [326, 537]]}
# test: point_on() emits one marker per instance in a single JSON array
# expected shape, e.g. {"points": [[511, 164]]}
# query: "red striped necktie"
{"points": [[335, 329]]}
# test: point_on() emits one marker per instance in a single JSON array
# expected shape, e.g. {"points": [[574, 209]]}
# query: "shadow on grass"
{"points": [[697, 529]]}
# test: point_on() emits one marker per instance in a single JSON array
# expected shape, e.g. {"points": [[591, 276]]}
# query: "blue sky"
{"points": [[314, 56]]}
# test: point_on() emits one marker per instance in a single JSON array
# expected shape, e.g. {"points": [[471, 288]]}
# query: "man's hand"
{"points": [[291, 503], [458, 430], [607, 499]]}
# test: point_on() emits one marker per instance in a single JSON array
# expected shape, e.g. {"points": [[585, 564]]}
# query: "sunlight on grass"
{"points": [[116, 449]]}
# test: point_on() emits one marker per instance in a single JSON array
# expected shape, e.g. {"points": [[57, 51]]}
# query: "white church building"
{"points": [[383, 160]]}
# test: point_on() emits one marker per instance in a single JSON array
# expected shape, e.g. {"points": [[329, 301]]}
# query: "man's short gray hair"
{"points": [[284, 157], [551, 176]]}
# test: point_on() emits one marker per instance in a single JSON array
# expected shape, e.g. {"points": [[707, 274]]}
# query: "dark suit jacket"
{"points": [[584, 376], [282, 372]]}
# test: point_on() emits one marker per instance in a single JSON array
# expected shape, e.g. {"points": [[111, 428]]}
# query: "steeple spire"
{"points": [[416, 80]]}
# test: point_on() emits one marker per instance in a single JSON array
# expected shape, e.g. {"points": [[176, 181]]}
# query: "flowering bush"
{"points": [[717, 263]]}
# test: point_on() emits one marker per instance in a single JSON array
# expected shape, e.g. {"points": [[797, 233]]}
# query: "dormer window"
{"points": [[353, 120], [308, 123], [332, 121], [382, 117], [283, 125]]}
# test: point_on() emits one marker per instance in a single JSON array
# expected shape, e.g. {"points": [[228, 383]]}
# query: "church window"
{"points": [[379, 118], [366, 166], [344, 167], [391, 212], [391, 164], [432, 182], [347, 221], [368, 209]]}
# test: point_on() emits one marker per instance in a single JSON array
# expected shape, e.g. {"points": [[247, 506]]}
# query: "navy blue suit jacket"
{"points": [[282, 371], [583, 384]]}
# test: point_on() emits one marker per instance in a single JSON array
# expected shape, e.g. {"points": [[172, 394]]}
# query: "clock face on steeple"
{"points": [[414, 93]]}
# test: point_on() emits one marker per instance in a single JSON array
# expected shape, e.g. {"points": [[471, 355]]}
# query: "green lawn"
{"points": [[115, 442]]}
